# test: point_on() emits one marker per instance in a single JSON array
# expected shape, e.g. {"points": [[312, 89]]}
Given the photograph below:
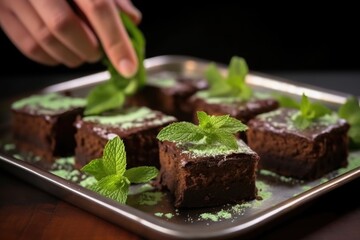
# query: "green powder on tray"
{"points": [[9, 147], [167, 215], [150, 198], [282, 179], [354, 162]]}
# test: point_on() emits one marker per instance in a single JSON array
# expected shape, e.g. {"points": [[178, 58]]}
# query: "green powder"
{"points": [[263, 190], [49, 102], [18, 156], [215, 217], [305, 188], [87, 182], [9, 146], [279, 177], [159, 214], [150, 198], [240, 208], [323, 180], [65, 161], [131, 118], [354, 162], [169, 215], [61, 173], [205, 151], [209, 216]]}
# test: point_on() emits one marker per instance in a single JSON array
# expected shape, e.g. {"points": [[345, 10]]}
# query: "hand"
{"points": [[51, 32]]}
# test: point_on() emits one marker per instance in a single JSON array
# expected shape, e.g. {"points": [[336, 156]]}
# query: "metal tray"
{"points": [[151, 213]]}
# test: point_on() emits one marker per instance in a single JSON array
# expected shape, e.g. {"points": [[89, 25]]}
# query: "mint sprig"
{"points": [[211, 131], [112, 94], [233, 84], [350, 111], [113, 180], [308, 112]]}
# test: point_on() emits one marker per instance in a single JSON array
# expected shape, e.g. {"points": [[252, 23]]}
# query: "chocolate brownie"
{"points": [[302, 154], [169, 94], [44, 124], [137, 127], [208, 178], [235, 107]]}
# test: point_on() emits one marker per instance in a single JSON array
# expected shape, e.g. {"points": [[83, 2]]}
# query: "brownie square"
{"points": [[169, 94], [241, 110], [44, 124], [303, 154], [204, 179], [136, 126]]}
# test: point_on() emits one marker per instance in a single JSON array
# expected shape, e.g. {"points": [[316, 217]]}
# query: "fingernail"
{"points": [[127, 68]]}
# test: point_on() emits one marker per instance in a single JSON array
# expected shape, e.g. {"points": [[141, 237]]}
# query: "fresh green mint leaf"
{"points": [[114, 157], [141, 174], [233, 84], [115, 187], [218, 136], [95, 168], [350, 111], [301, 122], [180, 132], [233, 125], [238, 69], [210, 122], [312, 110], [308, 112], [102, 98], [224, 122], [214, 130], [286, 101], [113, 180], [112, 94]]}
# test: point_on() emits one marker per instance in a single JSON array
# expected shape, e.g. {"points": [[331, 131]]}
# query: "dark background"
{"points": [[272, 41]]}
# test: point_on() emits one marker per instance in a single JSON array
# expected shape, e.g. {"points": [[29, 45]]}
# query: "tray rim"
{"points": [[151, 226]]}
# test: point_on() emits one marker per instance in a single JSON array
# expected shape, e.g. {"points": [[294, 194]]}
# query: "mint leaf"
{"points": [[112, 94], [206, 121], [301, 122], [233, 125], [214, 130], [95, 168], [141, 174], [308, 113], [102, 98], [350, 111], [114, 157], [222, 137], [113, 180], [180, 132], [115, 187], [233, 84], [287, 102]]}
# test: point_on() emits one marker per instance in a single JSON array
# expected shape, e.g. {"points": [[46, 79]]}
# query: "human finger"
{"points": [[128, 7], [23, 40], [68, 28], [105, 20]]}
